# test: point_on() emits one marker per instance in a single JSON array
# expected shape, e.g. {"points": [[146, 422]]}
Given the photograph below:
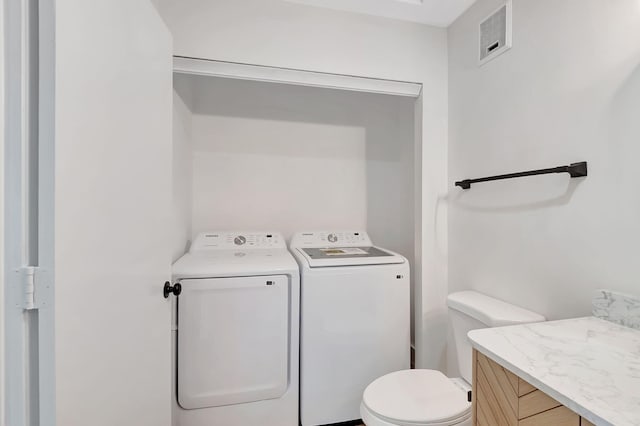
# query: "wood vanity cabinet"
{"points": [[500, 398]]}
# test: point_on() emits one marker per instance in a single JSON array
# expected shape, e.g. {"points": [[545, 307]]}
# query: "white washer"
{"points": [[236, 329], [354, 321]]}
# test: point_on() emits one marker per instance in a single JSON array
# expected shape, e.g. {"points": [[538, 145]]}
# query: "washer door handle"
{"points": [[176, 289]]}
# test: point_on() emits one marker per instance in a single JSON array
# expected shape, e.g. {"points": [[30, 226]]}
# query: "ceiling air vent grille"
{"points": [[495, 33]]}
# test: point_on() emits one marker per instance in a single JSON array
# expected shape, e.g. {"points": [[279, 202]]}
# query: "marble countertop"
{"points": [[588, 364]]}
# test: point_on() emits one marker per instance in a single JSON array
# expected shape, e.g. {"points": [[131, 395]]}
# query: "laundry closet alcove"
{"points": [[258, 147]]}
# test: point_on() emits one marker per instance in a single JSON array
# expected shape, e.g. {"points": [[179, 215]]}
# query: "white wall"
{"points": [[271, 156], [568, 90], [295, 158], [182, 199], [276, 33]]}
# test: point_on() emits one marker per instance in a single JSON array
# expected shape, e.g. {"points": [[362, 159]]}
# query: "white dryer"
{"points": [[354, 321], [236, 328]]}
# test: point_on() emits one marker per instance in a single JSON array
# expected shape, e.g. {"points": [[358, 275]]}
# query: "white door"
{"points": [[113, 94]]}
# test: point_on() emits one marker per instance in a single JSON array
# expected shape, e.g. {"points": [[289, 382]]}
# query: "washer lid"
{"points": [[349, 256], [417, 396], [319, 257]]}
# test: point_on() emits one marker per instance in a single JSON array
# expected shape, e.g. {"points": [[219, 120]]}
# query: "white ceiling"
{"points": [[440, 13]]}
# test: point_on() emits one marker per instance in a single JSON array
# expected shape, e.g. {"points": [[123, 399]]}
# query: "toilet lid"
{"points": [[417, 396]]}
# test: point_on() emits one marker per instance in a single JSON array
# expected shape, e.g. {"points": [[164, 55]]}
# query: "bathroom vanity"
{"points": [[502, 398], [583, 371]]}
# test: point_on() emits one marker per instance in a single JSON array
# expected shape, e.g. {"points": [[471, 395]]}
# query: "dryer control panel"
{"points": [[331, 239], [230, 240]]}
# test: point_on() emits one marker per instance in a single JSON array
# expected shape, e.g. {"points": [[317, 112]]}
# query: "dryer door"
{"points": [[233, 338]]}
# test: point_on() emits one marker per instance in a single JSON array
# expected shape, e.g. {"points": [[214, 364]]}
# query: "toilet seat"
{"points": [[415, 398]]}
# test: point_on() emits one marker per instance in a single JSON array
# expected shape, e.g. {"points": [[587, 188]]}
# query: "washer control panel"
{"points": [[331, 239], [232, 240]]}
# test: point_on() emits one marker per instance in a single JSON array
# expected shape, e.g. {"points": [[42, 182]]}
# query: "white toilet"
{"points": [[428, 397]]}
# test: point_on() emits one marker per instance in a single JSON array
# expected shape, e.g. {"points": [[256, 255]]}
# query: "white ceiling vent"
{"points": [[495, 33]]}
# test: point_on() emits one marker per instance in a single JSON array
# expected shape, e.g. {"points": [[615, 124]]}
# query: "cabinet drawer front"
{"points": [[534, 403], [525, 387], [560, 416]]}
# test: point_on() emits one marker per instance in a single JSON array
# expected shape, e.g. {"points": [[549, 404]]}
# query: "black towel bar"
{"points": [[574, 170]]}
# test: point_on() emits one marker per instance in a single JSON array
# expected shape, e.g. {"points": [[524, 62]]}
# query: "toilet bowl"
{"points": [[416, 397], [428, 397]]}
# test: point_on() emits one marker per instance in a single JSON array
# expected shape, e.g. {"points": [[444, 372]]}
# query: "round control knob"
{"points": [[239, 240], [332, 238]]}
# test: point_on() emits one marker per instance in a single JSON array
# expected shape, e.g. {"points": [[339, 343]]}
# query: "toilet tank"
{"points": [[470, 310]]}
